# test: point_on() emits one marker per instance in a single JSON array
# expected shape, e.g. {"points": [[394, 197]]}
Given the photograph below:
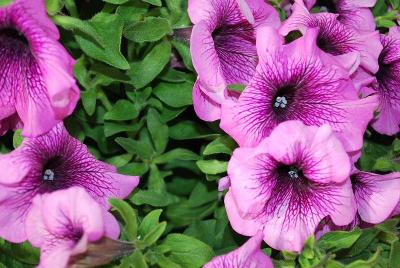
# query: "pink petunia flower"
{"points": [[62, 224], [37, 84], [48, 163], [376, 195], [346, 45], [354, 13], [248, 255], [223, 47], [288, 183], [387, 84], [293, 83]]}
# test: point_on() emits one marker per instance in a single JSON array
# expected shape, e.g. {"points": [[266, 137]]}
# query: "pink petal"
{"points": [[205, 108]]}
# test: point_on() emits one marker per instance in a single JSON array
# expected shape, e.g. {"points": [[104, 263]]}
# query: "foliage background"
{"points": [[135, 74]]}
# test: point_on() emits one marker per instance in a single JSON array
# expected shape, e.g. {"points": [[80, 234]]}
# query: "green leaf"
{"points": [[173, 94], [123, 110], [53, 6], [109, 29], [116, 2], [132, 11], [394, 259], [149, 222], [150, 30], [134, 169], [179, 154], [5, 2], [141, 149], [89, 99], [80, 26], [184, 51], [128, 214], [334, 241], [137, 260], [158, 130], [17, 138], [212, 167], [153, 2], [143, 72], [221, 145], [152, 236], [187, 251], [186, 130], [153, 198], [200, 195]]}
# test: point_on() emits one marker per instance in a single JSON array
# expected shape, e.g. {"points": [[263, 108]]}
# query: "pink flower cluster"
{"points": [[313, 83], [53, 192]]}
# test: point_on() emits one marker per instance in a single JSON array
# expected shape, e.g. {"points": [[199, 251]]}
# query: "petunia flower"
{"points": [[387, 84], [223, 45], [354, 13], [37, 85], [293, 83], [248, 255], [48, 163], [287, 184], [376, 195], [62, 224], [345, 44]]}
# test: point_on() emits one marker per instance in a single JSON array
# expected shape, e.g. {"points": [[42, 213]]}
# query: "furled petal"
{"points": [[248, 255], [376, 195], [205, 108]]}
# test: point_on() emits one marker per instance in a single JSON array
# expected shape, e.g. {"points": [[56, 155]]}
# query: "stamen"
{"points": [[280, 102], [48, 175], [293, 173]]}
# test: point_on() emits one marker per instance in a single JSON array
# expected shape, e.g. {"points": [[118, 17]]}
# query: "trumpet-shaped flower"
{"points": [[293, 83], [48, 163], [348, 46], [354, 13], [223, 45], [37, 85], [248, 255], [288, 183], [387, 84], [62, 224]]}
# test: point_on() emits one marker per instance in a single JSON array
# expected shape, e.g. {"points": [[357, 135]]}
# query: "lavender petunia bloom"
{"points": [[37, 85], [354, 13], [288, 183], [348, 46], [248, 255], [62, 224], [376, 195], [387, 84], [223, 47], [293, 83], [48, 163]]}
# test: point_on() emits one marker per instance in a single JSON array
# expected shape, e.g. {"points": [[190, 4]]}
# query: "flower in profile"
{"points": [[354, 13], [387, 84], [288, 183], [376, 195], [38, 88], [62, 224], [223, 44], [248, 255], [348, 46], [293, 83], [48, 163]]}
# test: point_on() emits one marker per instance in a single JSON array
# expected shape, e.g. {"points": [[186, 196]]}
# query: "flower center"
{"points": [[327, 6], [283, 98], [48, 175], [13, 34]]}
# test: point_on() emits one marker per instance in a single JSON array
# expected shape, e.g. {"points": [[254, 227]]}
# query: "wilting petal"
{"points": [[376, 195], [248, 255]]}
